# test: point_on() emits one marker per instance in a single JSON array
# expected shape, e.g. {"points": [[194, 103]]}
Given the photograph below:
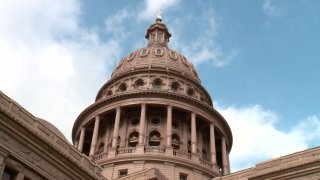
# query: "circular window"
{"points": [[158, 52], [155, 120], [130, 57], [175, 124], [135, 121], [173, 55], [184, 60], [144, 52]]}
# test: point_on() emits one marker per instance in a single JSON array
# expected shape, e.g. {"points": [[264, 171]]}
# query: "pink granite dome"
{"points": [[157, 56]]}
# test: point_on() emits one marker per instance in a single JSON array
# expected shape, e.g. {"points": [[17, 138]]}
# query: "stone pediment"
{"points": [[146, 174]]}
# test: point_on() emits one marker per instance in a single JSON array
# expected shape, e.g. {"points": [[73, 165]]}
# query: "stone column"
{"points": [[95, 136], [194, 154], [213, 146], [169, 148], [193, 133], [169, 126], [224, 156], [116, 128], [81, 140], [141, 144], [113, 150]]}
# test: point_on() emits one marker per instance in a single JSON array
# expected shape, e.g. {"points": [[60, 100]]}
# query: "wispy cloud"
{"points": [[203, 47], [257, 138], [270, 9], [51, 64]]}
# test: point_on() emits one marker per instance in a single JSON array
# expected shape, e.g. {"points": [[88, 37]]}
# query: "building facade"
{"points": [[154, 113]]}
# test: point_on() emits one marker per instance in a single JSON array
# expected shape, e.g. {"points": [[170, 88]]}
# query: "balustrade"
{"points": [[128, 150], [154, 149], [183, 154]]}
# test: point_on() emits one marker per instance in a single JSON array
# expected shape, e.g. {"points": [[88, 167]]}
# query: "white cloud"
{"points": [[49, 63], [256, 137], [152, 6], [203, 47]]}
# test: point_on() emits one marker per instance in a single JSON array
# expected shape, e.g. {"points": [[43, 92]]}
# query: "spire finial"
{"points": [[159, 14]]}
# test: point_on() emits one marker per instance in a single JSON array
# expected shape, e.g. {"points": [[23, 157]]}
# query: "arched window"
{"points": [[154, 138], [139, 84], [175, 141], [190, 92], [122, 87], [175, 86], [157, 84], [133, 139]]}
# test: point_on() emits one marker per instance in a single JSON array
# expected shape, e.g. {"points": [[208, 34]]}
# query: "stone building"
{"points": [[152, 120]]}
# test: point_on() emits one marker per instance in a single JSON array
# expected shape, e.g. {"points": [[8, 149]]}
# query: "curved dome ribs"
{"points": [[154, 109]]}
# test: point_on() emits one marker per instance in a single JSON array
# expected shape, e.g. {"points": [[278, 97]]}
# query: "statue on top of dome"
{"points": [[159, 14]]}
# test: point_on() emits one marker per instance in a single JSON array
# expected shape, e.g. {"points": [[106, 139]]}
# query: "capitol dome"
{"points": [[154, 115]]}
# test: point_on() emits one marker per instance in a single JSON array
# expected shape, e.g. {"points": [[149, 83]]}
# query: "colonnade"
{"points": [[142, 136]]}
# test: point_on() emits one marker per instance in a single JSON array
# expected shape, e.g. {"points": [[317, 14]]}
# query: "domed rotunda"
{"points": [[153, 119]]}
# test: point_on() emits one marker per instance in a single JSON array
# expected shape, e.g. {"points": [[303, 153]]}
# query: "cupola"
{"points": [[158, 33]]}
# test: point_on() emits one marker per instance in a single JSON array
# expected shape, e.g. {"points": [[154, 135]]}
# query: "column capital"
{"points": [[118, 108]]}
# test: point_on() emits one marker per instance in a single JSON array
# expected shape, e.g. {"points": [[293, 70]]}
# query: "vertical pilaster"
{"points": [[213, 146], [81, 140], [224, 156], [95, 136]]}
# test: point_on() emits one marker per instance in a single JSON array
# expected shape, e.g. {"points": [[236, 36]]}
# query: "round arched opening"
{"points": [[190, 92], [175, 124], [139, 84], [133, 139], [154, 138], [175, 86], [157, 84], [175, 141]]}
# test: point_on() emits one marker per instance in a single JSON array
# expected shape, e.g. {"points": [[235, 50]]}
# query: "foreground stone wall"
{"points": [[32, 150], [301, 165]]}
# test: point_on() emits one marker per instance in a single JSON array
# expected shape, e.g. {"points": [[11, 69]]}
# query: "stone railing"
{"points": [[100, 156], [154, 149], [127, 150], [205, 162], [183, 154]]}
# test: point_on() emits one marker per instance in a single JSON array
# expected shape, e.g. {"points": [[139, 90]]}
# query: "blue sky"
{"points": [[259, 60]]}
